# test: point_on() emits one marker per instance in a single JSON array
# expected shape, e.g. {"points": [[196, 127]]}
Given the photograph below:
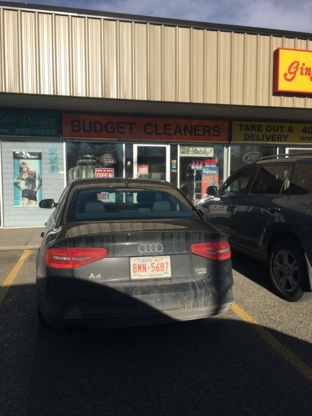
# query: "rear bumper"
{"points": [[119, 306]]}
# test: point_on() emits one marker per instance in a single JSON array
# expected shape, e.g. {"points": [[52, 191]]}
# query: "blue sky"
{"points": [[273, 14]]}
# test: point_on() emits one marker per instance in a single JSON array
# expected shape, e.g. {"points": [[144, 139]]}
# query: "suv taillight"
{"points": [[217, 250], [71, 258]]}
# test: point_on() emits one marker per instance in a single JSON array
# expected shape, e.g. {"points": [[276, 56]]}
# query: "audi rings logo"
{"points": [[151, 248]]}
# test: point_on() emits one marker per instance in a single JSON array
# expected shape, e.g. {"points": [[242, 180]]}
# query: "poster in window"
{"points": [[210, 177], [27, 181]]}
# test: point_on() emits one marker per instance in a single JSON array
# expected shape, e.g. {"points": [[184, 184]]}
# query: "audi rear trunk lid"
{"points": [[145, 251]]}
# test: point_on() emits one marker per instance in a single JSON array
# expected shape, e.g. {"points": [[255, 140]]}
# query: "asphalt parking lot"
{"points": [[255, 359]]}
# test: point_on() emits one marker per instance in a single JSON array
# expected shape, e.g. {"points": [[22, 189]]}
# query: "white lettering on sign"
{"points": [[104, 172], [252, 157]]}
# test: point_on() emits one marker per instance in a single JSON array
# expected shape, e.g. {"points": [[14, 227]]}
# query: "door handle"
{"points": [[274, 209], [233, 206]]}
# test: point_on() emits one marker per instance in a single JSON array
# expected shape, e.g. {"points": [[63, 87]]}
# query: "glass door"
{"points": [[151, 162]]}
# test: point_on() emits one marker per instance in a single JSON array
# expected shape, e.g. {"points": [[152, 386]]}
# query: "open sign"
{"points": [[104, 172]]}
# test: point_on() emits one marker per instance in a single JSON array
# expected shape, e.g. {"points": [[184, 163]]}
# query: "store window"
{"points": [[89, 160], [32, 171], [200, 167], [242, 155], [174, 164]]}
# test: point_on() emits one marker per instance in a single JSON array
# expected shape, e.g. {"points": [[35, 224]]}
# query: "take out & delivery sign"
{"points": [[292, 71], [274, 133]]}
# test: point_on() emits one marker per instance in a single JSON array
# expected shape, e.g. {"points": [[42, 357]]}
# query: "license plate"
{"points": [[150, 267]]}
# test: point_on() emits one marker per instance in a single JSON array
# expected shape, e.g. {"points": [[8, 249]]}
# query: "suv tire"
{"points": [[288, 271]]}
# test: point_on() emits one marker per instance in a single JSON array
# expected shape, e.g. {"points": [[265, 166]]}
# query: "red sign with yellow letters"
{"points": [[141, 128], [292, 71]]}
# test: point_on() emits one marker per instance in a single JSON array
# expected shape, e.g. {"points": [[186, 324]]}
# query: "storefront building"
{"points": [[94, 94]]}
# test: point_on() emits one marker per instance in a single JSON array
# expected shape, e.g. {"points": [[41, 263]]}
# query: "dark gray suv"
{"points": [[265, 210]]}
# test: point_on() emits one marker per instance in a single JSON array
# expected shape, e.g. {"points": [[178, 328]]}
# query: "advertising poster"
{"points": [[27, 180], [210, 177]]}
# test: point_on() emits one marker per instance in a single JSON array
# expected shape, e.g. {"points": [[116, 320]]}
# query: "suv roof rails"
{"points": [[285, 155]]}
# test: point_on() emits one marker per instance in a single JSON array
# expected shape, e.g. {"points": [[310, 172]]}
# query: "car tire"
{"points": [[288, 271], [41, 320]]}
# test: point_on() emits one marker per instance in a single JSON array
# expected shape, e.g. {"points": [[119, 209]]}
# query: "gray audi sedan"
{"points": [[121, 252]]}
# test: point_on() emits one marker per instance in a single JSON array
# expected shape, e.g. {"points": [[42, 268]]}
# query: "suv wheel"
{"points": [[288, 270]]}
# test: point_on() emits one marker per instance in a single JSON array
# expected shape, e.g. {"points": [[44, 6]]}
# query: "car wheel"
{"points": [[41, 321], [288, 270]]}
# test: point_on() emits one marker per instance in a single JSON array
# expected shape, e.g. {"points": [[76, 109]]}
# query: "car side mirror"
{"points": [[47, 203]]}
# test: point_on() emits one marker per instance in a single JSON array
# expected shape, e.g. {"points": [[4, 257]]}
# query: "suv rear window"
{"points": [[301, 182], [102, 204]]}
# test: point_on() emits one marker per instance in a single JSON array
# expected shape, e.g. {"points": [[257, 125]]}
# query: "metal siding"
{"points": [[63, 80], [264, 81], [211, 74], [45, 52], [197, 66], [169, 75], [78, 67], [11, 29], [126, 60], [237, 68], [184, 65], [1, 54], [94, 58], [110, 60], [140, 62], [29, 53], [224, 67], [250, 70], [154, 62], [54, 54]]}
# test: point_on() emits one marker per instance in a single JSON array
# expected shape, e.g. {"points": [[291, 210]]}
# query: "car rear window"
{"points": [[101, 204]]}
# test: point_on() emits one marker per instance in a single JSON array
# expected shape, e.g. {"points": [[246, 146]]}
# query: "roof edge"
{"points": [[157, 20]]}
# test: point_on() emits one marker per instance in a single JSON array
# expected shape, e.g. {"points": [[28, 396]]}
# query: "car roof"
{"points": [[122, 182], [128, 183], [286, 157]]}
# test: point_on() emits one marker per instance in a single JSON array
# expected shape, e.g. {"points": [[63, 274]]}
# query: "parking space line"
{"points": [[299, 365], [12, 275]]}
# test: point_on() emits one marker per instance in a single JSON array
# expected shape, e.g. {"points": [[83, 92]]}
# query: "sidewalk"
{"points": [[20, 238]]}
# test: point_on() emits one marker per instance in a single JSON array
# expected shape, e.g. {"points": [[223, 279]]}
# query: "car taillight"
{"points": [[217, 250], [71, 258]]}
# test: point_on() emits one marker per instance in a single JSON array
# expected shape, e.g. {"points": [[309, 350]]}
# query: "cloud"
{"points": [[271, 14]]}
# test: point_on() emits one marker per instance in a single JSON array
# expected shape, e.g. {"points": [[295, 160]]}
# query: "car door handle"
{"points": [[233, 206], [274, 209]]}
